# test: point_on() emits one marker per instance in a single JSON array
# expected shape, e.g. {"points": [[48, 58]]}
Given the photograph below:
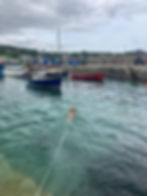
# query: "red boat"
{"points": [[88, 77]]}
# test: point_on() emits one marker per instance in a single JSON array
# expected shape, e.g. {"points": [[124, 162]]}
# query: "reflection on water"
{"points": [[45, 91], [1, 78], [101, 152]]}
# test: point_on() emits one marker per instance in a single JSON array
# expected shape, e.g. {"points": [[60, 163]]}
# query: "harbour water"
{"points": [[102, 152]]}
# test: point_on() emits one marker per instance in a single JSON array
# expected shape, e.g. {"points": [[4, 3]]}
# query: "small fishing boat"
{"points": [[88, 76], [46, 80], [52, 71], [17, 73]]}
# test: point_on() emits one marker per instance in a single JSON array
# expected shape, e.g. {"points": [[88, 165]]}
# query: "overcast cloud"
{"points": [[27, 21]]}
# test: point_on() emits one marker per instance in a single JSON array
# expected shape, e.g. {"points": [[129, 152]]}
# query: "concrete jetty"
{"points": [[15, 183], [120, 72]]}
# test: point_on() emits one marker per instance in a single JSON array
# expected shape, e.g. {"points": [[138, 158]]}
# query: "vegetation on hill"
{"points": [[16, 52]]}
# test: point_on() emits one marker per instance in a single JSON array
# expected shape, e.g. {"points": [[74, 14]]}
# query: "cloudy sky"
{"points": [[94, 25]]}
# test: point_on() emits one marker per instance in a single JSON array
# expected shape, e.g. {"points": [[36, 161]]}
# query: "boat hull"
{"points": [[1, 71], [47, 84], [88, 77]]}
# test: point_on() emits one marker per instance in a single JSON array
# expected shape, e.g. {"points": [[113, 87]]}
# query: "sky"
{"points": [[85, 25]]}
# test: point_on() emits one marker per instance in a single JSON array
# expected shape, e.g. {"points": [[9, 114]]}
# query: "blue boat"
{"points": [[1, 70], [45, 80]]}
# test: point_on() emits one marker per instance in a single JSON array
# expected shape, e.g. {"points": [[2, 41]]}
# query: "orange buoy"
{"points": [[71, 114]]}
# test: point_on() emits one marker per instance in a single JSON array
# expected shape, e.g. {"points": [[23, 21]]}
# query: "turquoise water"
{"points": [[102, 152]]}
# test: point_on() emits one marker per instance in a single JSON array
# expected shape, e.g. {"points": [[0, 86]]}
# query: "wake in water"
{"points": [[62, 140]]}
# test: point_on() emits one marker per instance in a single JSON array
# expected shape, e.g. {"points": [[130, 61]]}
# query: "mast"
{"points": [[59, 47], [59, 44]]}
